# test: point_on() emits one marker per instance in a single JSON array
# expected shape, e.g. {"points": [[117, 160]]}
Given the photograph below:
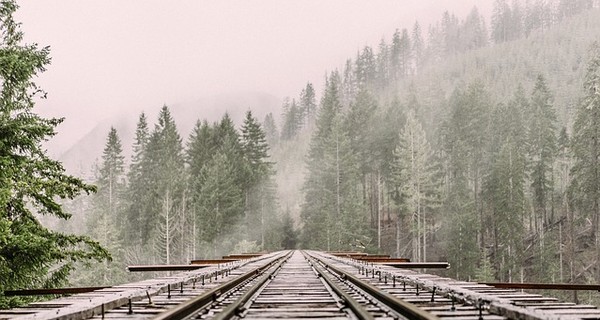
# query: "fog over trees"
{"points": [[465, 141]]}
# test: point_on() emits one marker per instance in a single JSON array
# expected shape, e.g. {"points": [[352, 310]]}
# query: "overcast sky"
{"points": [[113, 55]]}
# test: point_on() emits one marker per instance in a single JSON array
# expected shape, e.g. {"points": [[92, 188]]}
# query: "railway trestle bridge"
{"points": [[303, 285]]}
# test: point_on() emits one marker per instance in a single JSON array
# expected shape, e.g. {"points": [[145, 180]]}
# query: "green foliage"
{"points": [[31, 256], [137, 190], [270, 128], [293, 118], [485, 272], [542, 148], [107, 213], [585, 187], [416, 179]]}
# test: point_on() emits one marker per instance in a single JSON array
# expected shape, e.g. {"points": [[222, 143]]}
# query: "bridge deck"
{"points": [[294, 285]]}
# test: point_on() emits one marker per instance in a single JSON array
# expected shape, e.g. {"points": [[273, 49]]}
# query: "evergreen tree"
{"points": [[199, 151], [138, 191], [416, 179], [260, 195], [418, 46], [107, 212], [165, 173], [271, 133], [220, 201], [111, 174], [474, 34], [464, 138], [308, 104], [31, 255], [451, 33], [501, 22], [359, 122], [504, 188], [349, 85], [227, 140], [542, 150], [585, 187], [383, 65], [400, 54], [318, 205], [290, 237], [292, 120], [365, 68]]}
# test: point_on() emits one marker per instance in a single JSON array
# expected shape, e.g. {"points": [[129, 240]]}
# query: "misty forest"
{"points": [[469, 141]]}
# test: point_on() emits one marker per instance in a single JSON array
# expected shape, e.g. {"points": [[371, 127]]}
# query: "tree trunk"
{"points": [[378, 210]]}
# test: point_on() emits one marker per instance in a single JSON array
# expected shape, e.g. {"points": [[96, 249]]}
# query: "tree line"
{"points": [[176, 202], [495, 184]]}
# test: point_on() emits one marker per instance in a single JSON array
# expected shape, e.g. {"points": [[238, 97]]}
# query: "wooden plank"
{"points": [[544, 286], [243, 256], [57, 291], [166, 267], [382, 260], [213, 261], [419, 265]]}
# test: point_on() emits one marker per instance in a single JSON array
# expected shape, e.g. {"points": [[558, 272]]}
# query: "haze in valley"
{"points": [[113, 59]]}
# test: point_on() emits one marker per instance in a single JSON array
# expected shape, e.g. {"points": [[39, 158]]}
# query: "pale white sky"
{"points": [[112, 56]]}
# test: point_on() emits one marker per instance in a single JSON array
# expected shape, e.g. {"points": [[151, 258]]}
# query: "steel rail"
{"points": [[359, 311], [402, 307], [237, 307], [192, 306]]}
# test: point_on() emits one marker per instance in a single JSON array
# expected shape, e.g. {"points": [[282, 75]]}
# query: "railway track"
{"points": [[303, 284]]}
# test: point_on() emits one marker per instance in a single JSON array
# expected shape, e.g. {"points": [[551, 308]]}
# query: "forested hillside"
{"points": [[444, 145], [205, 196], [464, 141]]}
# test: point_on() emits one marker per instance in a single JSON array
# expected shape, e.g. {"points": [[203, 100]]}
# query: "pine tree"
{"points": [[542, 151], [504, 188], [318, 204], [383, 65], [31, 255], [473, 33], [260, 193], [199, 151], [464, 136], [416, 179], [418, 46], [111, 179], [308, 104], [165, 173], [501, 22], [365, 68], [290, 236], [292, 120], [138, 187], [107, 211], [271, 133], [358, 127], [585, 187], [220, 203], [451, 33]]}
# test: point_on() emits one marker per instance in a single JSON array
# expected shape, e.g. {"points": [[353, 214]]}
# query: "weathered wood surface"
{"points": [[508, 304], [84, 306], [296, 289]]}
